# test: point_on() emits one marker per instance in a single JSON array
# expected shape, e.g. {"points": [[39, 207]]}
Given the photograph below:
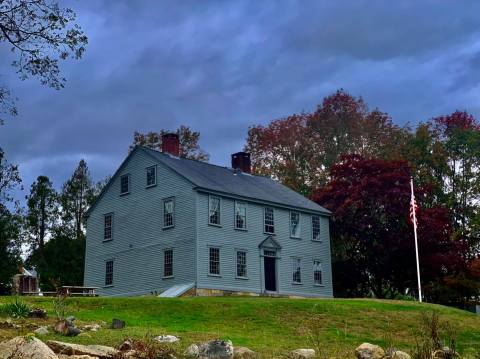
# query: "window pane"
{"points": [[151, 175], [240, 215], [296, 271], [124, 184], [214, 210], [269, 220], [214, 262], [168, 213], [295, 224], [107, 228], [316, 228], [241, 264], [317, 272], [109, 273], [168, 263]]}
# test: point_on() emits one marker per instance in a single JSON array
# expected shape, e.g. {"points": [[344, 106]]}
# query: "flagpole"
{"points": [[416, 241]]}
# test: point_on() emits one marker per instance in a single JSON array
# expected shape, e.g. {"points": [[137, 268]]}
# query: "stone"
{"points": [[63, 356], [166, 339], [127, 345], [243, 353], [38, 313], [99, 351], [220, 349], [369, 351], [91, 327], [41, 331], [71, 318], [117, 324], [25, 347], [400, 355], [192, 351], [302, 354], [67, 328]]}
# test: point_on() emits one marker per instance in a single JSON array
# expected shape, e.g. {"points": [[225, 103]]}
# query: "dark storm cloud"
{"points": [[221, 66]]}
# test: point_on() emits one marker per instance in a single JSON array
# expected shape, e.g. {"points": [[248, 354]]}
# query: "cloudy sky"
{"points": [[221, 66]]}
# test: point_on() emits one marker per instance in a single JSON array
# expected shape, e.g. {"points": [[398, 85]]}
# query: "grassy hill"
{"points": [[270, 326]]}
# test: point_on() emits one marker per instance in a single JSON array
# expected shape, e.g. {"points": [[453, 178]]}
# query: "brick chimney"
{"points": [[241, 161], [171, 144]]}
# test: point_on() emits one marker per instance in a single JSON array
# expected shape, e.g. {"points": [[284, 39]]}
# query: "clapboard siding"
{"points": [[228, 240], [138, 235]]}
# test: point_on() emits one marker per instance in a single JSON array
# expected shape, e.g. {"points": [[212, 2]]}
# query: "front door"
{"points": [[270, 274]]}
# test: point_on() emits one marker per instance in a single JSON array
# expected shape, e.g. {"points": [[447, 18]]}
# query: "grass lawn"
{"points": [[270, 326]]}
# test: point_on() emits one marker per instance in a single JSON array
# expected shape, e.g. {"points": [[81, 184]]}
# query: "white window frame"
{"points": [[237, 251], [127, 176], [165, 274], [298, 236], [296, 264], [265, 220], [106, 239], [318, 239], [165, 201], [107, 272], [235, 222], [210, 198], [210, 273], [155, 176], [321, 273]]}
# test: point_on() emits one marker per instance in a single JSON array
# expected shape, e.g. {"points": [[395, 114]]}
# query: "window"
{"points": [[241, 264], [214, 210], [315, 228], [168, 213], [269, 220], [296, 270], [124, 184], [107, 226], [151, 176], [214, 261], [317, 272], [109, 272], [295, 224], [168, 263], [240, 215]]}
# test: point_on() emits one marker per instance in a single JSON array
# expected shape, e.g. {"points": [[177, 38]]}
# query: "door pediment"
{"points": [[270, 243]]}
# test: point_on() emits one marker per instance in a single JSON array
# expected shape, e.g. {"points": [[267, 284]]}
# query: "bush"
{"points": [[16, 309]]}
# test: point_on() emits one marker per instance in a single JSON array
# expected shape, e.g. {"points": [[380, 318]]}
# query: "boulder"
{"points": [[63, 356], [400, 355], [117, 324], [25, 347], [91, 327], [38, 313], [99, 351], [41, 331], [369, 351], [302, 354], [166, 339], [243, 353], [66, 327], [219, 349], [126, 345], [192, 351], [71, 318]]}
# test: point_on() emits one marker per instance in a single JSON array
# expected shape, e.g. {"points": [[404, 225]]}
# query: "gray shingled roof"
{"points": [[225, 180]]}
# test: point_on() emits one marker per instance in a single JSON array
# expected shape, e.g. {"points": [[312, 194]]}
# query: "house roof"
{"points": [[227, 181]]}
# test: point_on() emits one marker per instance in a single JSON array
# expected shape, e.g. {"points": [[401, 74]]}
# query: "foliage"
{"points": [[148, 348], [39, 33], [189, 146], [60, 304], [16, 309]]}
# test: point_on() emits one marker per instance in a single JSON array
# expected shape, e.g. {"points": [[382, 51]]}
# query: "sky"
{"points": [[222, 66]]}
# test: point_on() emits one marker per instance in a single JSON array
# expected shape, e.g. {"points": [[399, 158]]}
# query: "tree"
{"points": [[189, 146], [76, 196], [42, 211], [39, 33]]}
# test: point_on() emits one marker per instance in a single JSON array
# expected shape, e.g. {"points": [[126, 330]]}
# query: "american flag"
{"points": [[413, 209]]}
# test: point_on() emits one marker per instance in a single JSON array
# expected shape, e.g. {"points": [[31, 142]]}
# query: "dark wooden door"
{"points": [[270, 274]]}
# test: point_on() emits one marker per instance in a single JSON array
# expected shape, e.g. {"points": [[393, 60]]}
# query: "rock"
{"points": [[192, 351], [8, 324], [400, 355], [38, 313], [63, 356], [71, 318], [243, 353], [117, 324], [302, 354], [91, 327], [66, 327], [41, 331], [221, 349], [166, 339], [126, 345], [369, 351], [100, 351], [25, 347]]}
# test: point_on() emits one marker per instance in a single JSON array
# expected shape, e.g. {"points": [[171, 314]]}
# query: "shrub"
{"points": [[16, 309]]}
